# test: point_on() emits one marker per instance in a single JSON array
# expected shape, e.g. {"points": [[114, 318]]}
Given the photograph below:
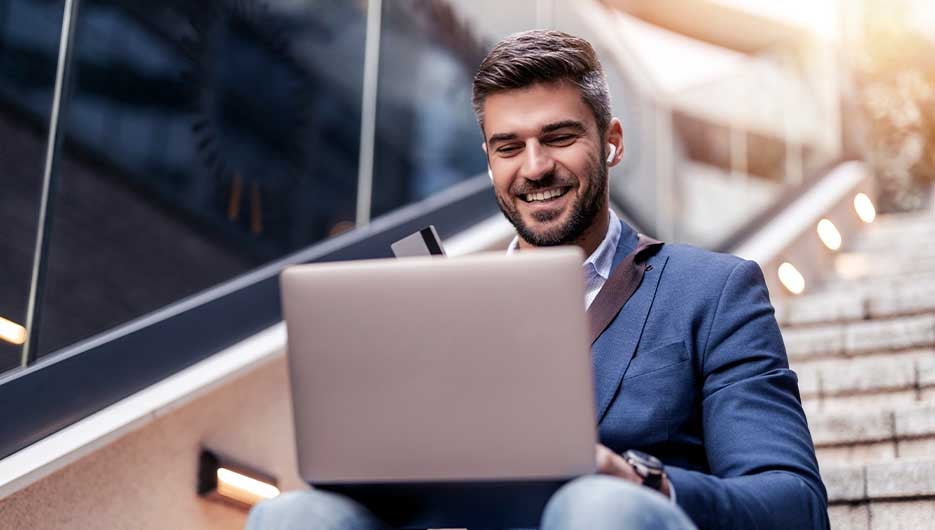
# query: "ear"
{"points": [[615, 138]]}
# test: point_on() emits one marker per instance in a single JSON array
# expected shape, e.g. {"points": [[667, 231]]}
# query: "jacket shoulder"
{"points": [[692, 273], [687, 259]]}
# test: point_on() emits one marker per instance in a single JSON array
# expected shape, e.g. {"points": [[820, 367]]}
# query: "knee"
{"points": [[308, 509], [600, 502]]}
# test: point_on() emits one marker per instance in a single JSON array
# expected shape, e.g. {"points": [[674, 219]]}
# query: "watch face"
{"points": [[642, 460]]}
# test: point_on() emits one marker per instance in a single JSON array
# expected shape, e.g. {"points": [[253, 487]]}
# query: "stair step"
{"points": [[894, 300], [912, 369], [830, 429], [901, 244], [891, 480], [871, 286], [892, 398], [883, 515], [888, 230], [876, 451], [853, 266], [891, 495], [898, 222], [898, 218], [872, 436], [874, 381], [859, 338], [898, 237], [824, 307]]}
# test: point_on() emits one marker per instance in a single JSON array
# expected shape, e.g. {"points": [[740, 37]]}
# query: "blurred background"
{"points": [[152, 152]]}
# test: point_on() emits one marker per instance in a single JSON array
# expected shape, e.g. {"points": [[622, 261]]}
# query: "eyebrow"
{"points": [[575, 125]]}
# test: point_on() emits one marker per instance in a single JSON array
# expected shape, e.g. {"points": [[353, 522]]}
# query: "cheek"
{"points": [[502, 181], [501, 186], [579, 162], [502, 191]]}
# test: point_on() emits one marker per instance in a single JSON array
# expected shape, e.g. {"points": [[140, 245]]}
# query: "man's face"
{"points": [[547, 161]]}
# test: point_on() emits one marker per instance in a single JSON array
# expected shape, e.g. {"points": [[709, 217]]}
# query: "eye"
{"points": [[561, 140], [509, 149]]}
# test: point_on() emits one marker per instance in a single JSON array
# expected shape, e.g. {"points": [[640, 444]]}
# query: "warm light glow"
{"points": [[829, 234], [865, 209], [243, 488], [791, 278], [819, 16], [12, 332]]}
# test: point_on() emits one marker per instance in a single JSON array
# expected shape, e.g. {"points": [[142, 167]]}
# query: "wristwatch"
{"points": [[646, 466]]}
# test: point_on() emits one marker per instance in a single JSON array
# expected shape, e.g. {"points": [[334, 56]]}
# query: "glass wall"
{"points": [[203, 139], [426, 136], [29, 39]]}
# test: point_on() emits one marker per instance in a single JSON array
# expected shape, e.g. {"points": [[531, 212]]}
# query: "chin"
{"points": [[550, 234], [544, 228]]}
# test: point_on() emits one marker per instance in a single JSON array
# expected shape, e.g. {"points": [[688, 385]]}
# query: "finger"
{"points": [[610, 463], [604, 458]]}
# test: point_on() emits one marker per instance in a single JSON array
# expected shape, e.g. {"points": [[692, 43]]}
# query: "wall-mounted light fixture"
{"points": [[864, 207], [222, 479], [12, 332], [829, 234], [791, 278]]}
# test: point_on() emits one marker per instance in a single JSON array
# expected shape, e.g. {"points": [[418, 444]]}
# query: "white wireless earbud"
{"points": [[490, 173], [613, 152]]}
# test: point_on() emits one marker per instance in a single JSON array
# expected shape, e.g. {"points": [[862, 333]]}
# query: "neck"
{"points": [[591, 238]]}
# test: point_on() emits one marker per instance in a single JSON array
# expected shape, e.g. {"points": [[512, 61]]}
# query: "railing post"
{"points": [[49, 182]]}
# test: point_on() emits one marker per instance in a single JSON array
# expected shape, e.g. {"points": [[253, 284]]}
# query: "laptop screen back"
{"points": [[420, 369]]}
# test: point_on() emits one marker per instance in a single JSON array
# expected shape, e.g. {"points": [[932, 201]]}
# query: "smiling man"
{"points": [[699, 417], [692, 369]]}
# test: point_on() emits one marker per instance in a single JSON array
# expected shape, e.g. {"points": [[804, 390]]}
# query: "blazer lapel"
{"points": [[613, 350]]}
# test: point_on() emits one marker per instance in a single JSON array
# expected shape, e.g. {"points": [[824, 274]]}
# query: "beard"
{"points": [[583, 211]]}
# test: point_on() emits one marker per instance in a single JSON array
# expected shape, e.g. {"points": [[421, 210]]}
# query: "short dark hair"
{"points": [[543, 56]]}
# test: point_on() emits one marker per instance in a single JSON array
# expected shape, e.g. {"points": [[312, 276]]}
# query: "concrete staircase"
{"points": [[864, 349]]}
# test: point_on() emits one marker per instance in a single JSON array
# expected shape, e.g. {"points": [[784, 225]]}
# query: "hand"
{"points": [[610, 463]]}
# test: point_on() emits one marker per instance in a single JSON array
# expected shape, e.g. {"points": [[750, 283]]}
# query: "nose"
{"points": [[536, 162]]}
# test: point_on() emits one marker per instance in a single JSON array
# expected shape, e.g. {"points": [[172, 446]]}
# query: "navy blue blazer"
{"points": [[693, 370]]}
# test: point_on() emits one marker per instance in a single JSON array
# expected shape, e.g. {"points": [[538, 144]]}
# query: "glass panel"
{"points": [[426, 134], [29, 39], [203, 140]]}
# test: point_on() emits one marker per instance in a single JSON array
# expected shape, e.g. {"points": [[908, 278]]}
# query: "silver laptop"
{"points": [[433, 389]]}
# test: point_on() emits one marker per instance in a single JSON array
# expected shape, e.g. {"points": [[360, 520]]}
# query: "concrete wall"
{"points": [[146, 479]]}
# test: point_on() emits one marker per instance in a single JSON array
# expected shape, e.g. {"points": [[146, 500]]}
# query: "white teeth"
{"points": [[542, 195]]}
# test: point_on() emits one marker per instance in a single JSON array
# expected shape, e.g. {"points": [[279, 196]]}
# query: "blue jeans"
{"points": [[594, 502]]}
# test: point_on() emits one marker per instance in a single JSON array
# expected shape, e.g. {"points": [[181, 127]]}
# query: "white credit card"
{"points": [[425, 242]]}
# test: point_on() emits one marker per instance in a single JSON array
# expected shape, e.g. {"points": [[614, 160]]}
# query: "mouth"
{"points": [[544, 197]]}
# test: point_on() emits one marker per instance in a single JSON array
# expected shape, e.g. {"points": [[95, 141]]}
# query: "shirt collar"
{"points": [[602, 259]]}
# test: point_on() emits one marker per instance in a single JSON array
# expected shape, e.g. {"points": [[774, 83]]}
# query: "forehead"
{"points": [[525, 111]]}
